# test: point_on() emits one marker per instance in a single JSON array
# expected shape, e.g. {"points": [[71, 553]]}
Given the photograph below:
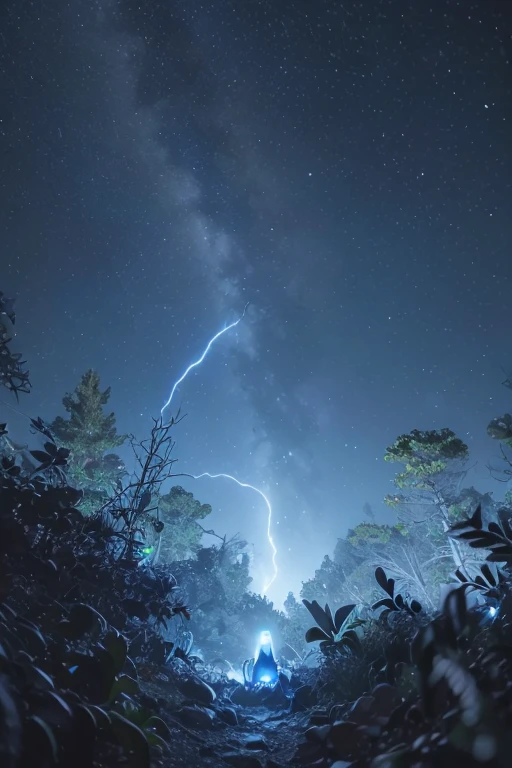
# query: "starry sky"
{"points": [[345, 167]]}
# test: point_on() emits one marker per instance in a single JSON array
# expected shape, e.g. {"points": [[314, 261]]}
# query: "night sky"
{"points": [[345, 167]]}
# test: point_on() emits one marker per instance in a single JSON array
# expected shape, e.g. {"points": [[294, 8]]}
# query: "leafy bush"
{"points": [[67, 697], [335, 633], [394, 602], [446, 706], [428, 690], [68, 687]]}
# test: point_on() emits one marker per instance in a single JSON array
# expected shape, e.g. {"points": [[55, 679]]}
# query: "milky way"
{"points": [[344, 167]]}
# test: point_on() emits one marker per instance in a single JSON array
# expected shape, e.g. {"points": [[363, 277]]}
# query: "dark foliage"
{"points": [[69, 695], [335, 633], [13, 375], [491, 584], [447, 705], [428, 691], [68, 685], [394, 600], [497, 538]]}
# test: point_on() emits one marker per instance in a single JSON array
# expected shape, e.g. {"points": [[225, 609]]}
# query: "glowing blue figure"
{"points": [[200, 360], [262, 671]]}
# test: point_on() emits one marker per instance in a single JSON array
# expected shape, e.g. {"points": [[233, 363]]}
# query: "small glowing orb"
{"points": [[492, 611], [265, 679]]}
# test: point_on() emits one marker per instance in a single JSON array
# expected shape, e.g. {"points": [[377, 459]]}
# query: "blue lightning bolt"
{"points": [[200, 360], [230, 477], [269, 519]]}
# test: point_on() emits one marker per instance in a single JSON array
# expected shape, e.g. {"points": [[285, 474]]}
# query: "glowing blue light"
{"points": [[492, 611], [264, 644], [200, 360], [265, 670], [269, 522]]}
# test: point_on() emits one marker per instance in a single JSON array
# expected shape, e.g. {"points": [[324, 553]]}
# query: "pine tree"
{"points": [[91, 436]]}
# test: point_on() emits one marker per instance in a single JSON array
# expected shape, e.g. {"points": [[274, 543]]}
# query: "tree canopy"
{"points": [[181, 512]]}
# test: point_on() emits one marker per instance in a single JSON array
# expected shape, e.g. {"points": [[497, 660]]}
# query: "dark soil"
{"points": [[263, 737]]}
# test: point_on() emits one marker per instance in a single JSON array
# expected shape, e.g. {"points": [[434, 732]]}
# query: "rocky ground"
{"points": [[221, 724]]}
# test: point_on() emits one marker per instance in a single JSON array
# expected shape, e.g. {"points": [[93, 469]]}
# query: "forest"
{"points": [[127, 626]]}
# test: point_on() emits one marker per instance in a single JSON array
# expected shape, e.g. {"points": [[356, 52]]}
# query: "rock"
{"points": [[276, 698], [319, 718], [276, 721], [347, 739], [247, 698], [303, 698], [228, 715], [258, 716], [196, 689], [359, 712], [318, 733], [271, 698], [253, 741], [238, 760], [197, 717], [308, 753]]}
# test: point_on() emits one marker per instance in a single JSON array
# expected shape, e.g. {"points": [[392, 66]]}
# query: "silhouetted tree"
{"points": [[13, 376], [180, 512]]}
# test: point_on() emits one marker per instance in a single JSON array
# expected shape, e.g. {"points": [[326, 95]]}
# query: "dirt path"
{"points": [[221, 733]]}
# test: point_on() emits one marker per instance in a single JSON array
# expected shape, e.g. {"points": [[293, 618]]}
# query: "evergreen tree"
{"points": [[91, 436]]}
